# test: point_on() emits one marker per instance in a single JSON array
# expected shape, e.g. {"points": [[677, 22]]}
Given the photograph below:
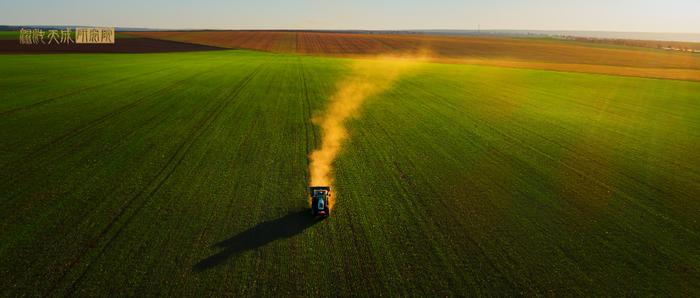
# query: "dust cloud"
{"points": [[367, 78]]}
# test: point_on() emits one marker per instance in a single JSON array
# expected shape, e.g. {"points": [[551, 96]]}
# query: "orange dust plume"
{"points": [[367, 77]]}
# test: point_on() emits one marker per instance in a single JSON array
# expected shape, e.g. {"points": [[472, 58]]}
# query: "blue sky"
{"points": [[612, 15]]}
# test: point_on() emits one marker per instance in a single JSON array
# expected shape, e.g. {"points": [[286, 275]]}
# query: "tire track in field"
{"points": [[129, 133], [28, 80], [595, 161], [149, 120], [159, 180], [115, 186], [410, 187], [507, 280], [78, 130], [51, 99], [595, 179], [504, 135], [81, 129], [522, 165], [108, 149], [200, 127], [242, 147], [307, 116]]}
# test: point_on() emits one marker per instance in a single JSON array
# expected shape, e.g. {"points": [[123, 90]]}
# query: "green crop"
{"points": [[186, 174]]}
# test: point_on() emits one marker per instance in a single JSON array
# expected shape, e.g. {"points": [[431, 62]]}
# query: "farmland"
{"points": [[14, 35], [9, 44], [9, 35], [528, 53], [186, 173]]}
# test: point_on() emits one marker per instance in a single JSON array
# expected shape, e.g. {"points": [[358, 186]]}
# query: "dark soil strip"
{"points": [[124, 45]]}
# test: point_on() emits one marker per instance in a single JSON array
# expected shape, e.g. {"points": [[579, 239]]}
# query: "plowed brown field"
{"points": [[573, 56]]}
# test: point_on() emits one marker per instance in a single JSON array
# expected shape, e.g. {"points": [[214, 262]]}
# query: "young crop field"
{"points": [[185, 174], [9, 35]]}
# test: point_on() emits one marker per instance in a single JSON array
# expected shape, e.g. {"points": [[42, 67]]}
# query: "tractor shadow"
{"points": [[259, 236]]}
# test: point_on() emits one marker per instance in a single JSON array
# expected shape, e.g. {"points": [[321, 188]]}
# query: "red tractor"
{"points": [[320, 199]]}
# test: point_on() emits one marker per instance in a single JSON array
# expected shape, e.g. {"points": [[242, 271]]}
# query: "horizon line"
{"points": [[351, 29]]}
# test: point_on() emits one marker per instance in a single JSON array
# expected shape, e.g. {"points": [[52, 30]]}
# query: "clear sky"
{"points": [[604, 15]]}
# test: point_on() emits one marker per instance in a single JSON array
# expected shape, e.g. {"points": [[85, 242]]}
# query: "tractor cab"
{"points": [[320, 200]]}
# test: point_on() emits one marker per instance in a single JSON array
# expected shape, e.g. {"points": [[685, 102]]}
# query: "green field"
{"points": [[186, 174], [9, 35]]}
